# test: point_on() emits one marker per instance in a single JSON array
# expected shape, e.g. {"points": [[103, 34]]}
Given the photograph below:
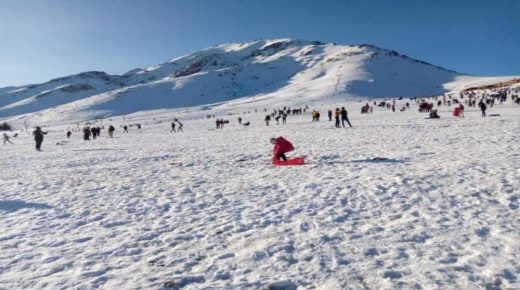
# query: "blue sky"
{"points": [[44, 39]]}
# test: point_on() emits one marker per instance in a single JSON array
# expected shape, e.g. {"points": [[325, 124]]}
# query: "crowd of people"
{"points": [[483, 99]]}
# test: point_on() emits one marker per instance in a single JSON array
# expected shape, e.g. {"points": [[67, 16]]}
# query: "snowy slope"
{"points": [[205, 210], [283, 71]]}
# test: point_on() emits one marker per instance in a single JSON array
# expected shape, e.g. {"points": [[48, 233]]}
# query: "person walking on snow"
{"points": [[38, 138], [6, 139], [173, 127], [281, 146], [180, 126], [344, 117]]}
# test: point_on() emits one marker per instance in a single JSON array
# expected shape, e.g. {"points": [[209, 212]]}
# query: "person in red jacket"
{"points": [[281, 146]]}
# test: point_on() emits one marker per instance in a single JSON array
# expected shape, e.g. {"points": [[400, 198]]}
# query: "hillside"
{"points": [[283, 71]]}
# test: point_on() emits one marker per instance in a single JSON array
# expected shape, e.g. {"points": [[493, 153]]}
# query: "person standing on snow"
{"points": [[111, 130], [173, 127], [344, 117], [281, 146], [38, 138], [86, 133], [483, 107], [337, 114]]}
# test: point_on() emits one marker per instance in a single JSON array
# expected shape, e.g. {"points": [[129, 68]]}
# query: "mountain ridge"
{"points": [[268, 70]]}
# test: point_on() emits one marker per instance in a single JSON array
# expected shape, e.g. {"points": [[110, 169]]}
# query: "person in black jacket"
{"points": [[111, 130], [38, 138], [344, 117], [483, 107]]}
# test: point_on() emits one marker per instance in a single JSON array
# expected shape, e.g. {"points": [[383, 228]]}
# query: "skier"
{"points": [[344, 117], [38, 137], [6, 139], [111, 130], [281, 146]]}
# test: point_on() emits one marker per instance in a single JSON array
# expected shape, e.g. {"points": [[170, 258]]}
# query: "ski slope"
{"points": [[204, 209]]}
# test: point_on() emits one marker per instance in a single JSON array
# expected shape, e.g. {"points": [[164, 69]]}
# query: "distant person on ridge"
{"points": [[281, 146]]}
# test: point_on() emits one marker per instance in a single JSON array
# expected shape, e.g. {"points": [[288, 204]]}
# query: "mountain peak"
{"points": [[269, 71]]}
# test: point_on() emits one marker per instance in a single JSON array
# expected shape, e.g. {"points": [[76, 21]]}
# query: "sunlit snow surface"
{"points": [[204, 209]]}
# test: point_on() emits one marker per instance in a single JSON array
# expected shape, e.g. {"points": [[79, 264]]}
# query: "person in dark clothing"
{"points": [[6, 139], [461, 106], [434, 115], [240, 120], [93, 132], [111, 130], [173, 127], [284, 118], [330, 115], [86, 133], [267, 119], [344, 117], [38, 138], [337, 114], [125, 129], [69, 133], [180, 126], [483, 107]]}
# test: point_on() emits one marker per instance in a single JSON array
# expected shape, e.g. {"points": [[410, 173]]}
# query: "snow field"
{"points": [[204, 209]]}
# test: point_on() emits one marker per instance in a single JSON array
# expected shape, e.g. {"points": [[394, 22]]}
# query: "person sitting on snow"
{"points": [[434, 115], [281, 146]]}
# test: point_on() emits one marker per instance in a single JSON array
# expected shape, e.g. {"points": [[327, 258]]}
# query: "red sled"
{"points": [[292, 161]]}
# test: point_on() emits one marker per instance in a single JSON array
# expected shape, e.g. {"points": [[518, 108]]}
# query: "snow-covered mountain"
{"points": [[282, 71]]}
